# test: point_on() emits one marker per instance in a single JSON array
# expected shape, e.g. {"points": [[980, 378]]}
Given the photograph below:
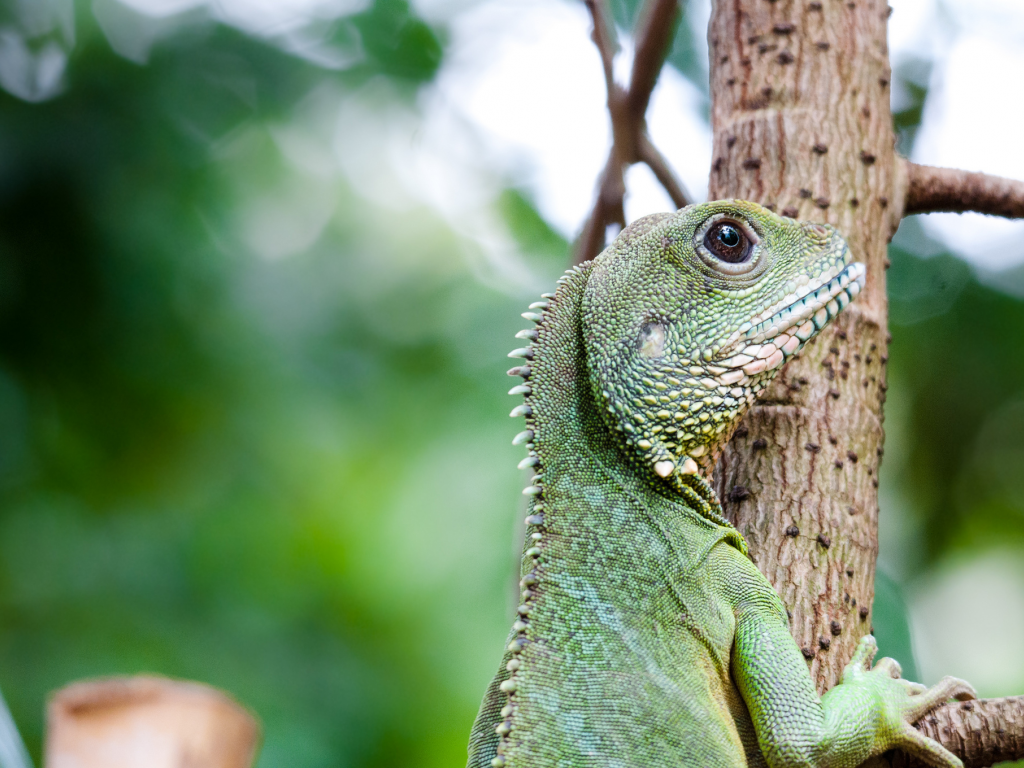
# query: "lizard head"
{"points": [[688, 315]]}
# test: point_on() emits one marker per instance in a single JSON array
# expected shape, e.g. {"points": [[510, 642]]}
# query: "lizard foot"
{"points": [[903, 703]]}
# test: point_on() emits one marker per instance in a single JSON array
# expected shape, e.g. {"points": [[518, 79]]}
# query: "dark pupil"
{"points": [[728, 243], [728, 236]]}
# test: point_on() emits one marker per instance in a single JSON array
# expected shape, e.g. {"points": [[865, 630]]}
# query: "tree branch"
{"points": [[980, 733], [654, 36], [630, 143], [649, 155], [931, 189]]}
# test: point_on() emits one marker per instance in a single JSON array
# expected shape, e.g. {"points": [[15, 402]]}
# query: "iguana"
{"points": [[646, 638]]}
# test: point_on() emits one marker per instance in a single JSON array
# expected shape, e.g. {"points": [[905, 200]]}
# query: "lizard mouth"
{"points": [[766, 341]]}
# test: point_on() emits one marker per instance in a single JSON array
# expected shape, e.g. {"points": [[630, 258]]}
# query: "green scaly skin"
{"points": [[646, 637]]}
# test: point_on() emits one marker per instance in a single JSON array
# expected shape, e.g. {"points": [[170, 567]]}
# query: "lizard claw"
{"points": [[922, 700], [929, 751], [862, 658]]}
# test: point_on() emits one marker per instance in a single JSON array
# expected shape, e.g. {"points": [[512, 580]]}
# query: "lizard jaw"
{"points": [[766, 342]]}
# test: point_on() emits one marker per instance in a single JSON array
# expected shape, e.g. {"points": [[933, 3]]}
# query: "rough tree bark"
{"points": [[801, 123]]}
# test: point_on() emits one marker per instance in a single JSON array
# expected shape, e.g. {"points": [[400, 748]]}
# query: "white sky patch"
{"points": [[527, 77], [971, 118], [967, 619]]}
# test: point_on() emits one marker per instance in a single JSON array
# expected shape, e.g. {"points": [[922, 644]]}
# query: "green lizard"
{"points": [[646, 638]]}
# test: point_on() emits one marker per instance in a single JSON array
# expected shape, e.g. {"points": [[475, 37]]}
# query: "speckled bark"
{"points": [[801, 122], [981, 732]]}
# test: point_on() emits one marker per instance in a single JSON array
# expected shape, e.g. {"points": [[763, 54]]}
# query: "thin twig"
{"points": [[655, 28], [630, 143], [931, 189], [649, 154]]}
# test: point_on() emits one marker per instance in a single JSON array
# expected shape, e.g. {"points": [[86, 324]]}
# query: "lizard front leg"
{"points": [[871, 711]]}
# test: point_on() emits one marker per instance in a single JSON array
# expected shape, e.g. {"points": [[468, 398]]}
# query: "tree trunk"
{"points": [[801, 122]]}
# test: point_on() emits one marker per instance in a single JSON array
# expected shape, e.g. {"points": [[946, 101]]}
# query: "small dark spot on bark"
{"points": [[867, 158], [854, 202], [851, 510], [718, 164], [805, 194], [822, 202], [752, 162], [851, 456], [738, 493], [842, 374], [846, 597], [783, 28], [814, 6], [792, 531], [763, 48], [831, 374], [807, 652], [834, 350], [730, 140], [854, 602], [836, 628], [822, 45], [880, 450], [812, 447], [839, 463], [841, 335], [863, 612], [883, 81], [731, 81], [824, 643], [820, 148], [867, 360], [824, 540], [786, 58], [966, 705], [792, 213], [834, 440], [770, 206], [834, 393], [851, 6], [932, 720], [884, 202], [849, 572], [789, 614], [874, 483], [760, 444], [866, 111], [741, 431]]}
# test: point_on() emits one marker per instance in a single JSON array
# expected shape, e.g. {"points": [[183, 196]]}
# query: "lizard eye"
{"points": [[729, 246], [726, 241]]}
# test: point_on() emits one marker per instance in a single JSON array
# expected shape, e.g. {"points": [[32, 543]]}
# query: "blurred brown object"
{"points": [[148, 722]]}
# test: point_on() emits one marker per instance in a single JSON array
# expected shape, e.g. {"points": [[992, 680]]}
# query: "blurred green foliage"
{"points": [[289, 475]]}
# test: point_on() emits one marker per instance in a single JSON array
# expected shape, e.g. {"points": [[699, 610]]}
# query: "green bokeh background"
{"points": [[291, 478]]}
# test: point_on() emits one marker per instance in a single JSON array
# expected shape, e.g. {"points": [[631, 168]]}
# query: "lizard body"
{"points": [[646, 637]]}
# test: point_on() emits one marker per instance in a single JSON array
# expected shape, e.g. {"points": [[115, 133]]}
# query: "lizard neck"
{"points": [[569, 439]]}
